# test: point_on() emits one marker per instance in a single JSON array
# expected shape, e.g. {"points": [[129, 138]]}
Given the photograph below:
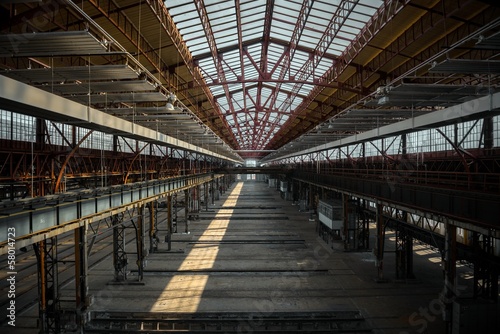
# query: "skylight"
{"points": [[263, 81]]}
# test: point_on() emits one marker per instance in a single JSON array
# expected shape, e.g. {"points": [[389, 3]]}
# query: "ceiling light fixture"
{"points": [[170, 102]]}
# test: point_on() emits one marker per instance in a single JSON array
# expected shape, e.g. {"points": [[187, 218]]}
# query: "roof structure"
{"points": [[261, 59], [255, 77]]}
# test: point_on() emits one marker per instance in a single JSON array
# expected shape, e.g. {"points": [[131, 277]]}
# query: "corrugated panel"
{"points": [[50, 44], [73, 73], [100, 87], [117, 98], [467, 66]]}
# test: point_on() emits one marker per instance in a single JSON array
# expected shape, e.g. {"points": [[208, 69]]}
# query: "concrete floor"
{"points": [[254, 252]]}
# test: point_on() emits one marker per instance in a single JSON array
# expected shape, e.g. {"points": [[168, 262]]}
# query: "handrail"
{"points": [[37, 218], [479, 182]]}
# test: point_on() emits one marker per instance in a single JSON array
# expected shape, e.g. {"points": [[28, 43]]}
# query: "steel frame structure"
{"points": [[48, 285], [146, 163], [131, 217], [282, 100]]}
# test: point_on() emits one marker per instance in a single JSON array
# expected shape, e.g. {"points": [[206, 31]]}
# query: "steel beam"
{"points": [[373, 26], [216, 56], [25, 99], [478, 108]]}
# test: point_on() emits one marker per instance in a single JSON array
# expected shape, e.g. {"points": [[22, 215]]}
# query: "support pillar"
{"points": [[345, 226], [295, 192], [404, 254], [194, 202], [409, 257], [488, 133], [379, 245], [139, 242], [205, 195], [187, 202], [48, 286], [217, 189], [363, 227], [311, 197], [485, 274], [81, 274], [450, 273], [154, 240], [120, 260], [351, 229], [174, 214], [168, 238], [212, 191]]}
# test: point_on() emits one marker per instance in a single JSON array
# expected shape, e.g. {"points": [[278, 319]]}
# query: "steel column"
{"points": [[380, 240], [174, 214], [120, 260], [139, 241], [488, 133], [153, 227], [81, 273], [363, 234], [485, 274], [168, 238], [404, 254], [450, 273], [346, 230], [187, 202], [212, 191], [218, 189], [205, 195], [48, 286]]}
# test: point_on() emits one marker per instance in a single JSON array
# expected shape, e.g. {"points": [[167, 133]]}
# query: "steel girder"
{"points": [[396, 58], [285, 63], [151, 57], [376, 71], [217, 58], [378, 21]]}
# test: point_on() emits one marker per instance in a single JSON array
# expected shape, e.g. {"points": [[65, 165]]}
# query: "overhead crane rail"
{"points": [[39, 218]]}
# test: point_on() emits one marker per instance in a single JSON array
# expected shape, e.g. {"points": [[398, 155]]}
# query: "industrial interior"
{"points": [[249, 166]]}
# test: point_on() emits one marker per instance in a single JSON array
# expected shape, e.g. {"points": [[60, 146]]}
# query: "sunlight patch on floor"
{"points": [[189, 288]]}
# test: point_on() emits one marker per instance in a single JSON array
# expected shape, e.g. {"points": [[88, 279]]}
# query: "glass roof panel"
{"points": [[268, 99]]}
